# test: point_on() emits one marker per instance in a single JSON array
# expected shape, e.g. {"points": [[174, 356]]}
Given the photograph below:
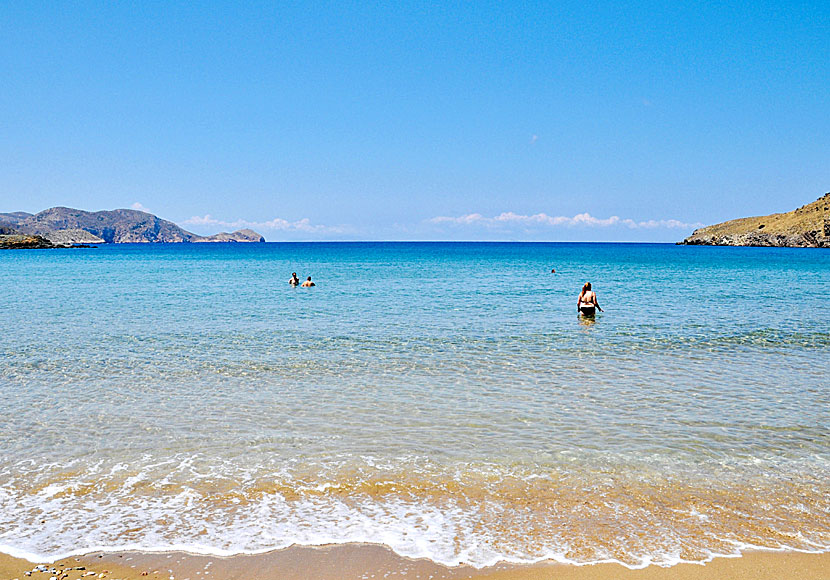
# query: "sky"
{"points": [[561, 121]]}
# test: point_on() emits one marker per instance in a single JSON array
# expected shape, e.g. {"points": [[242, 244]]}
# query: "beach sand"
{"points": [[363, 562]]}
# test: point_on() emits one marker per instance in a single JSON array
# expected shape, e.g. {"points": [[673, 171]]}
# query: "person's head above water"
{"points": [[309, 278]]}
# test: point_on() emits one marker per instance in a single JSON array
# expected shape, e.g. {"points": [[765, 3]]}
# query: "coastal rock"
{"points": [[805, 227], [24, 242]]}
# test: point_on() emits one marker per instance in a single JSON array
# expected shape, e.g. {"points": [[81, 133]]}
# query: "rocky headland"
{"points": [[805, 227], [67, 226]]}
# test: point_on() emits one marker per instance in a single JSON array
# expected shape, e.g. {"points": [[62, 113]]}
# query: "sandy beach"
{"points": [[362, 562]]}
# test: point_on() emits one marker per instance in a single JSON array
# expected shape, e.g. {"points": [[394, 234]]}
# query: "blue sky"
{"points": [[471, 120]]}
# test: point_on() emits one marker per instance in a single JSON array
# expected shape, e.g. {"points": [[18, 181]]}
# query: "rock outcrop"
{"points": [[24, 242], [64, 225], [74, 236], [805, 227]]}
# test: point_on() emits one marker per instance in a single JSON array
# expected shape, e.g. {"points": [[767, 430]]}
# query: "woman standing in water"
{"points": [[586, 303]]}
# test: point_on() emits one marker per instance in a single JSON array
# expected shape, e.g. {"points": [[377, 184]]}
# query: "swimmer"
{"points": [[586, 303], [308, 283], [294, 280]]}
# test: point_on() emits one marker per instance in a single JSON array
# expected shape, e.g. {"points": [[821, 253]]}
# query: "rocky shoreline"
{"points": [[805, 240], [21, 242], [805, 227], [25, 242]]}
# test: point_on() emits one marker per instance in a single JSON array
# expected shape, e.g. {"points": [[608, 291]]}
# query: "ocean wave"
{"points": [[469, 514]]}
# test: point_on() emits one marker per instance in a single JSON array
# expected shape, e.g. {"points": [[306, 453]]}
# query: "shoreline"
{"points": [[367, 561]]}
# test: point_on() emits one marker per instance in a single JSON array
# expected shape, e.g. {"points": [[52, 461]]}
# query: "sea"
{"points": [[443, 399]]}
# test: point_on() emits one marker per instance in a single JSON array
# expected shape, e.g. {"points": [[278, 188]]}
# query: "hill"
{"points": [[66, 225], [805, 227]]}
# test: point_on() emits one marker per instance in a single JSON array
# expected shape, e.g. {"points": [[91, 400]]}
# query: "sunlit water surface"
{"points": [[443, 399]]}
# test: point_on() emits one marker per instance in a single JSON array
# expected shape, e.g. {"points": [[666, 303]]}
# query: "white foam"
{"points": [[448, 530]]}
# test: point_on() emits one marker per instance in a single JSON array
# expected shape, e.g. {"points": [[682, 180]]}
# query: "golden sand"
{"points": [[365, 562]]}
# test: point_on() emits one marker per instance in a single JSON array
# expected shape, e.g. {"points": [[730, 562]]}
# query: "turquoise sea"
{"points": [[443, 399]]}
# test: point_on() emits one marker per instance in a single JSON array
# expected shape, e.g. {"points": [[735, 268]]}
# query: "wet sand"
{"points": [[364, 562]]}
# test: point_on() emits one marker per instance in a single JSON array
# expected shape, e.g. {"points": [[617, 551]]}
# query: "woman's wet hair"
{"points": [[587, 286]]}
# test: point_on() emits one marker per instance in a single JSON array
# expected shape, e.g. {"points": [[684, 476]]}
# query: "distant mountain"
{"points": [[805, 227], [14, 216], [65, 225], [244, 235]]}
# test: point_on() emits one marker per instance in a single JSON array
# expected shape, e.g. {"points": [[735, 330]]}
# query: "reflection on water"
{"points": [[587, 320]]}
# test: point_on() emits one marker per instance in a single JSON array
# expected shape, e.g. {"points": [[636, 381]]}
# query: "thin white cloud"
{"points": [[276, 224], [137, 205], [543, 219]]}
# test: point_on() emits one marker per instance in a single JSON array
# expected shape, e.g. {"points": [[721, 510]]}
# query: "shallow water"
{"points": [[441, 398]]}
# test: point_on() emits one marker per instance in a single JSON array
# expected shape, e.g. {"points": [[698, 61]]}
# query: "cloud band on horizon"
{"points": [[276, 224], [542, 219]]}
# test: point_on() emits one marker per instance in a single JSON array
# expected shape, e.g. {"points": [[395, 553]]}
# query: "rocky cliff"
{"points": [[805, 227], [65, 225]]}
